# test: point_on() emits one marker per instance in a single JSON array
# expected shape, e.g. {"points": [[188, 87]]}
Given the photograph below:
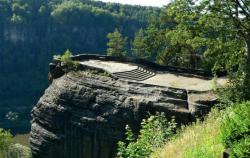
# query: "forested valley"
{"points": [[32, 31]]}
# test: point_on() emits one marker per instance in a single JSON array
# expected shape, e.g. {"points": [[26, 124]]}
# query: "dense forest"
{"points": [[32, 31]]}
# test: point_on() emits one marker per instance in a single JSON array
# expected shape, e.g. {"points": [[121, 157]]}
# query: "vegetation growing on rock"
{"points": [[10, 150], [155, 131], [5, 142], [67, 61]]}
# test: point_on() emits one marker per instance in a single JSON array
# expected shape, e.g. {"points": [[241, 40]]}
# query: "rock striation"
{"points": [[83, 114]]}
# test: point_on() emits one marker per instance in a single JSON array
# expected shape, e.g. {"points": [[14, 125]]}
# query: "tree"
{"points": [[117, 44], [237, 12], [221, 31], [150, 41], [182, 33], [139, 46], [66, 59]]}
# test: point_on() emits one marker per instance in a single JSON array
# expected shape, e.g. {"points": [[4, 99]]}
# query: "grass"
{"points": [[199, 140]]}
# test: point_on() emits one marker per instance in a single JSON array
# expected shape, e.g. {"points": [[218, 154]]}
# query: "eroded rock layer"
{"points": [[83, 115]]}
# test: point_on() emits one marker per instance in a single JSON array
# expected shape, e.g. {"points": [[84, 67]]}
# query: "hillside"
{"points": [[32, 31], [228, 128]]}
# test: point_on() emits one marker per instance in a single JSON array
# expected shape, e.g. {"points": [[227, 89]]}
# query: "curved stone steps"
{"points": [[135, 76], [139, 74], [137, 70], [134, 79]]}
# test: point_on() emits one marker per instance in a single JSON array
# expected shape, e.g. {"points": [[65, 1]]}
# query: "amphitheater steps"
{"points": [[139, 74]]}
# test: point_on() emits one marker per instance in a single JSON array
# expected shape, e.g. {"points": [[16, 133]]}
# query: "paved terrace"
{"points": [[136, 73]]}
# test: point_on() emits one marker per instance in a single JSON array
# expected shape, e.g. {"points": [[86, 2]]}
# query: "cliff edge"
{"points": [[83, 114]]}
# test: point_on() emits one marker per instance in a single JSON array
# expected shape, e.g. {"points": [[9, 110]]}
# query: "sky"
{"points": [[156, 3]]}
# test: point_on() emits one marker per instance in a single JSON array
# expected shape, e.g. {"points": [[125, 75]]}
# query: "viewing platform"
{"points": [[141, 71]]}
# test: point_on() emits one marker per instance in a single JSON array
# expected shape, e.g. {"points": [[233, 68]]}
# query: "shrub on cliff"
{"points": [[155, 131], [66, 59], [5, 142], [10, 150]]}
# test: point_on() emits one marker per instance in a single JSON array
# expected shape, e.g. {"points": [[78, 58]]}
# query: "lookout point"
{"points": [[92, 106]]}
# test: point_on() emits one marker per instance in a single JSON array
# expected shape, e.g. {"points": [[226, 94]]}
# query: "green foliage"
{"points": [[77, 13], [199, 35], [155, 131], [116, 44], [182, 39], [139, 46], [235, 129], [202, 35], [234, 91], [205, 137], [201, 139], [5, 142], [10, 150], [66, 59], [241, 148], [222, 129]]}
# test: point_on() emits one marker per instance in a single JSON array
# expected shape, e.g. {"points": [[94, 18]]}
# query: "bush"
{"points": [[228, 128], [235, 130], [10, 150], [234, 91], [155, 131], [197, 140], [66, 59], [5, 142], [241, 148]]}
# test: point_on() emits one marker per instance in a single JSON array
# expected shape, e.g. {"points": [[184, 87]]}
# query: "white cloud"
{"points": [[158, 3]]}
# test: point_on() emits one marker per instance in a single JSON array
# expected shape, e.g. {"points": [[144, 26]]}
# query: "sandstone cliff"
{"points": [[83, 114]]}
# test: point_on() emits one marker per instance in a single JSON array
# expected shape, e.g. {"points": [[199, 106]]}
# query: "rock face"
{"points": [[83, 115]]}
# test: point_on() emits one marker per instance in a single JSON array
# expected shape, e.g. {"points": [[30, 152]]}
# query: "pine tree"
{"points": [[139, 46], [117, 44]]}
